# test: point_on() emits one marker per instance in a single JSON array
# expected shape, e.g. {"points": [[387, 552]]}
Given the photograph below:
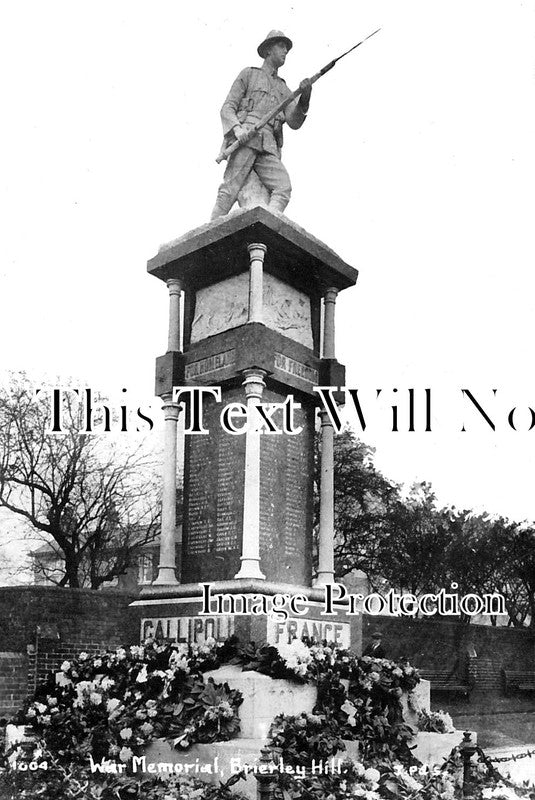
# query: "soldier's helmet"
{"points": [[273, 36]]}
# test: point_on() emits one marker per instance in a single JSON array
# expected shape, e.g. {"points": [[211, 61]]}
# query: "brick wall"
{"points": [[41, 626], [13, 682], [72, 620], [439, 644]]}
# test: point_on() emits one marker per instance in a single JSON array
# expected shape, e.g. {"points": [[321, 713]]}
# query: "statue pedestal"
{"points": [[254, 286], [174, 614]]}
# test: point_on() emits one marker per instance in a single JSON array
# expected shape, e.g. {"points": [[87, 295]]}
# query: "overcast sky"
{"points": [[416, 165]]}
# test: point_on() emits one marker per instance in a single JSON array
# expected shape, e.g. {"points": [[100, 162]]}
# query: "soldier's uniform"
{"points": [[255, 92]]}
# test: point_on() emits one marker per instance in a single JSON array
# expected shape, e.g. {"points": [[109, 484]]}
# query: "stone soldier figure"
{"points": [[255, 91]]}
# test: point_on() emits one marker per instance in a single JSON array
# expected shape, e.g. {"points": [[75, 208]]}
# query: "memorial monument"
{"points": [[252, 322], [252, 302]]}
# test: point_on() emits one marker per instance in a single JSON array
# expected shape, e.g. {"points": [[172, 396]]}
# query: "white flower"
{"points": [[408, 781], [297, 656], [95, 698], [106, 682], [152, 713], [125, 734], [97, 662], [31, 712], [125, 754], [83, 656], [112, 704], [500, 792], [225, 709], [120, 653], [65, 666], [147, 728], [142, 677], [372, 775], [62, 680], [52, 701]]}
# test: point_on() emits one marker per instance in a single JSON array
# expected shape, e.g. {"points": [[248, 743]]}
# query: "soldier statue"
{"points": [[255, 92]]}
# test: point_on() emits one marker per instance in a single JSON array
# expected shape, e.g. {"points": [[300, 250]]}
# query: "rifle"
{"points": [[282, 105]]}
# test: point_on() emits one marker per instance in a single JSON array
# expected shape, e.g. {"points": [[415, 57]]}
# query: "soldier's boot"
{"points": [[278, 203], [280, 196]]}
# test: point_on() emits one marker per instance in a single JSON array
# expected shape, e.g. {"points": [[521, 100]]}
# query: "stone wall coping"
{"points": [[457, 624], [64, 591]]}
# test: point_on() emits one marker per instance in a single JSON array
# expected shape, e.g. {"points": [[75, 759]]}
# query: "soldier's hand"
{"points": [[305, 88], [242, 133]]}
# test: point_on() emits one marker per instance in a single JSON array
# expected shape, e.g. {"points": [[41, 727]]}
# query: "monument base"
{"points": [[264, 699], [253, 610]]}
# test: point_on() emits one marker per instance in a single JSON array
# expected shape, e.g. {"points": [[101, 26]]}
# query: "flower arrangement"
{"points": [[113, 704], [435, 721]]}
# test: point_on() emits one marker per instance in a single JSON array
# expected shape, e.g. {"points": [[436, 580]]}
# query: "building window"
{"points": [[145, 570]]}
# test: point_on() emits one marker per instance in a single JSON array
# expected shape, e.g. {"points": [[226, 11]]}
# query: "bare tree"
{"points": [[95, 501]]}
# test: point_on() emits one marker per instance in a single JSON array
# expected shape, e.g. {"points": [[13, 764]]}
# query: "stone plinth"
{"points": [[254, 287], [174, 614], [222, 758], [420, 699], [434, 748], [264, 698]]}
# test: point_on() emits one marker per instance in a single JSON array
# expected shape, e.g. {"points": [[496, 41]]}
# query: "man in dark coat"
{"points": [[375, 649]]}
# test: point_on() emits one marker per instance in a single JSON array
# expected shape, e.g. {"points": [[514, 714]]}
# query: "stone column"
{"points": [[256, 255], [326, 528], [329, 300], [174, 338], [167, 565], [250, 558]]}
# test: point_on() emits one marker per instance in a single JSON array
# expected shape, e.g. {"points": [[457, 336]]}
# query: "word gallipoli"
{"points": [[399, 409], [337, 599]]}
